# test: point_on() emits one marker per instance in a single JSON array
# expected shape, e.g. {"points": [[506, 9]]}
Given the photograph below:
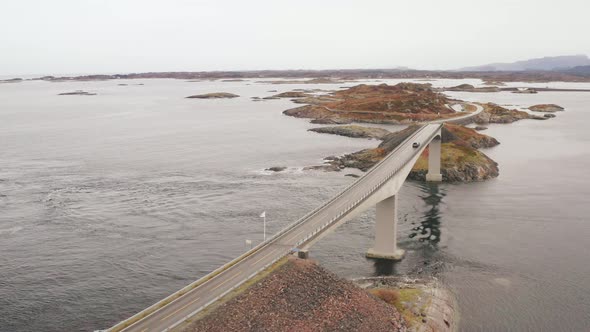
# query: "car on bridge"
{"points": [[416, 145]]}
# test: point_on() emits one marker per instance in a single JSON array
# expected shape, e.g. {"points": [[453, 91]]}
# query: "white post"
{"points": [[263, 216], [264, 227]]}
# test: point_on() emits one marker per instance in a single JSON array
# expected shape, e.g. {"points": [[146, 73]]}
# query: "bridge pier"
{"points": [[386, 231], [434, 158]]}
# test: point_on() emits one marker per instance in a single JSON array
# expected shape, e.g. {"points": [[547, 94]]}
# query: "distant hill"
{"points": [[578, 71], [547, 63]]}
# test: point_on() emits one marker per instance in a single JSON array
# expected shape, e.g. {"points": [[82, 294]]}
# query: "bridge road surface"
{"points": [[176, 312]]}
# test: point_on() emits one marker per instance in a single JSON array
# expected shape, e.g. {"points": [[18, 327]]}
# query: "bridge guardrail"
{"points": [[348, 209], [171, 298]]}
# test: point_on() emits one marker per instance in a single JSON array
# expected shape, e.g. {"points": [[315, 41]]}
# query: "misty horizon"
{"points": [[70, 37]]}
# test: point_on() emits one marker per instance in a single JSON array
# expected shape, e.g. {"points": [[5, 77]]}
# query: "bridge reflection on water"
{"points": [[429, 229]]}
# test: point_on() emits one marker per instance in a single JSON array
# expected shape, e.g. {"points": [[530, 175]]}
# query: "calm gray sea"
{"points": [[109, 203]]}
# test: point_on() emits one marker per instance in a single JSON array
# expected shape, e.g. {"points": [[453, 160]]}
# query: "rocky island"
{"points": [[214, 95], [400, 103], [12, 80], [494, 113], [461, 159], [471, 88], [77, 93], [353, 131], [546, 108]]}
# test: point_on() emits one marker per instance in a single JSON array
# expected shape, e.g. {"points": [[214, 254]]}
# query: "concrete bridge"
{"points": [[378, 187]]}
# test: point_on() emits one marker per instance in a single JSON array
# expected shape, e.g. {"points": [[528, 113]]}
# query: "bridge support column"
{"points": [[434, 158], [386, 231]]}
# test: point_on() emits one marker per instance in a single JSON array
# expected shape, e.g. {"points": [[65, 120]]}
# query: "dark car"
{"points": [[415, 145]]}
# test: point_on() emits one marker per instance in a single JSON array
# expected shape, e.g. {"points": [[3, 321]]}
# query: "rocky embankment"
{"points": [[494, 113], [353, 131], [461, 161], [301, 296], [546, 108], [214, 95], [400, 103], [424, 304]]}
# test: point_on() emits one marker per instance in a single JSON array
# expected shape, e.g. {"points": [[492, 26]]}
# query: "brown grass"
{"points": [[390, 296]]}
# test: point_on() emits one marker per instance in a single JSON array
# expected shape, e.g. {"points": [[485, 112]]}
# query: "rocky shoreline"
{"points": [[425, 304], [461, 159], [494, 113], [353, 131]]}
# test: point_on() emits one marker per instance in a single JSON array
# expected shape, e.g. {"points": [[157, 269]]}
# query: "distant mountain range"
{"points": [[578, 71], [555, 63]]}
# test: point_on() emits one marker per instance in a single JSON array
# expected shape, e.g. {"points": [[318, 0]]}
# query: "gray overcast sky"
{"points": [[108, 36]]}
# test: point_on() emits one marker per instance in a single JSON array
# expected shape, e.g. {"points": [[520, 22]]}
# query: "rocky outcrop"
{"points": [[353, 131], [276, 168], [546, 108], [425, 304], [12, 80], [291, 94], [400, 103], [475, 139], [471, 88], [327, 167], [330, 121], [301, 296], [77, 93], [493, 113], [214, 95], [367, 158], [461, 161]]}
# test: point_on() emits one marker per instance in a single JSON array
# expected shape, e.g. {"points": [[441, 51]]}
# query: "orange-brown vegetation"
{"points": [[400, 103]]}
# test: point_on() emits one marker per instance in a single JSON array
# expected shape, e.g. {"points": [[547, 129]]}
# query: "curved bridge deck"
{"points": [[173, 310]]}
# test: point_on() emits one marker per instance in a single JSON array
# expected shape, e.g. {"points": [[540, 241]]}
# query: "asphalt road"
{"points": [[191, 302]]}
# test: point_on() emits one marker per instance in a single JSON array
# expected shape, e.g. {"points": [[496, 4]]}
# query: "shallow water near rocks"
{"points": [[109, 203]]}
